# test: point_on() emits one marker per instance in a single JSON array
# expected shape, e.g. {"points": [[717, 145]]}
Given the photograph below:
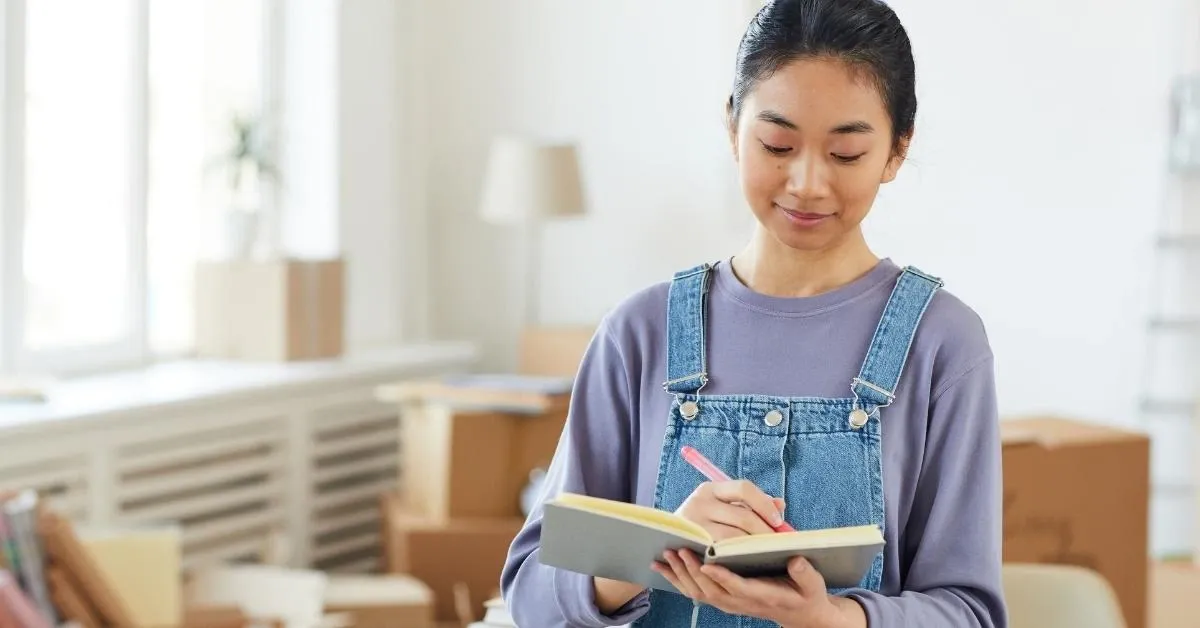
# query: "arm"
{"points": [[953, 538], [593, 458]]}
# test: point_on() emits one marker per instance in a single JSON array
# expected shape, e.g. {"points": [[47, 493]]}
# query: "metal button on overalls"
{"points": [[773, 418], [688, 410]]}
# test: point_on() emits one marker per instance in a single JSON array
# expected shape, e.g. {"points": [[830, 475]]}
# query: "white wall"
{"points": [[645, 102], [353, 157], [1034, 185]]}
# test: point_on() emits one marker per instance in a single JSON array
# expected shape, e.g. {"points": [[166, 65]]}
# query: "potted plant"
{"points": [[246, 167]]}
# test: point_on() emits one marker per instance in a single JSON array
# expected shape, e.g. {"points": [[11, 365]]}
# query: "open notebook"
{"points": [[617, 540]]}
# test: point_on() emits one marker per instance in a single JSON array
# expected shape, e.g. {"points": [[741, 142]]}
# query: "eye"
{"points": [[847, 159], [775, 150]]}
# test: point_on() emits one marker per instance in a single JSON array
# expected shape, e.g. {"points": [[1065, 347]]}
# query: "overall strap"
{"points": [[687, 300], [875, 386]]}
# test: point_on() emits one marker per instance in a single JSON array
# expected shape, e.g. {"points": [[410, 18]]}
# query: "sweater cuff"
{"points": [[576, 596]]}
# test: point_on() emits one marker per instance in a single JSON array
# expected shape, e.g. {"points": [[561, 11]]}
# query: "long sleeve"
{"points": [[593, 458], [953, 536]]}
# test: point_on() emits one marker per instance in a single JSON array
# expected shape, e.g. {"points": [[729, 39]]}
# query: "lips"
{"points": [[803, 218]]}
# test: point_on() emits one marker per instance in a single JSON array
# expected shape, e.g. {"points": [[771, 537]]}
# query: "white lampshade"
{"points": [[526, 180]]}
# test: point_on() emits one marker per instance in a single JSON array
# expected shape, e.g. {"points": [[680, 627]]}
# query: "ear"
{"points": [[731, 127], [896, 160]]}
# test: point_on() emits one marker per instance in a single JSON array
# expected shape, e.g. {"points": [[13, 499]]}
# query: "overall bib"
{"points": [[822, 456]]}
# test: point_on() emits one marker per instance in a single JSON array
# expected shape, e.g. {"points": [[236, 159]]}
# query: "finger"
{"points": [[746, 492], [667, 573], [686, 585], [808, 581], [779, 503], [740, 517], [713, 592]]}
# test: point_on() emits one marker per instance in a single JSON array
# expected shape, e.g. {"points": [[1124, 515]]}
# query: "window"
{"points": [[112, 111]]}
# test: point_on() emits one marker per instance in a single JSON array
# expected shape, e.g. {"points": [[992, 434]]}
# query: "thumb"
{"points": [[808, 581]]}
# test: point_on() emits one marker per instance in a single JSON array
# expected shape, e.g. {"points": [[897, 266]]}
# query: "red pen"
{"points": [[714, 473]]}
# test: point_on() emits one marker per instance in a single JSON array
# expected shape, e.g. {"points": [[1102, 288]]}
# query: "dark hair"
{"points": [[865, 34]]}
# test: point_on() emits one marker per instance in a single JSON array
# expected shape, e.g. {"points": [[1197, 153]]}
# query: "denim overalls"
{"points": [[822, 456]]}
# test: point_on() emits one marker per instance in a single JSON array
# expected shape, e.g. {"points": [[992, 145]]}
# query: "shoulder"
{"points": [[953, 338], [639, 318]]}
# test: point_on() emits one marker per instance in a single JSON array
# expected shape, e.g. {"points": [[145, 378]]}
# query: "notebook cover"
{"points": [[840, 566], [582, 542]]}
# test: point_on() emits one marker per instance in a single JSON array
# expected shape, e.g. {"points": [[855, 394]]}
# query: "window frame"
{"points": [[133, 349]]}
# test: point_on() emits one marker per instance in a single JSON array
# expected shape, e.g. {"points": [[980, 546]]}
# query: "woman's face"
{"points": [[813, 144]]}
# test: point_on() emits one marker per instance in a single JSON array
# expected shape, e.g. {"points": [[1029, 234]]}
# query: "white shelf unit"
{"points": [[232, 453]]}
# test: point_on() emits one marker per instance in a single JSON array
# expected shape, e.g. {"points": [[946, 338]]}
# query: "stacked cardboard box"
{"points": [[468, 452], [458, 558], [458, 507], [274, 310], [1077, 492]]}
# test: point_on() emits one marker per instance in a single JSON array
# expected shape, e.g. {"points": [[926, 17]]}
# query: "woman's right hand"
{"points": [[733, 508]]}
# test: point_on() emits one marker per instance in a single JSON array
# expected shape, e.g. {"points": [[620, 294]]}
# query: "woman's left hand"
{"points": [[798, 601]]}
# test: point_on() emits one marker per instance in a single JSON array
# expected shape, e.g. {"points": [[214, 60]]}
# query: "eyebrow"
{"points": [[858, 126], [776, 118]]}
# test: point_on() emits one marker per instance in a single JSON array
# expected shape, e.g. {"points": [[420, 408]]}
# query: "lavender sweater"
{"points": [[941, 447]]}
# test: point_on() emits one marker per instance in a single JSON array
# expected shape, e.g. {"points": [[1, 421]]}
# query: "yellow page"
{"points": [[803, 539], [635, 513]]}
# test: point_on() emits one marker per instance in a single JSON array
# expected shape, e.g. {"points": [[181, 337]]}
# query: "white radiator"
{"points": [[302, 451]]}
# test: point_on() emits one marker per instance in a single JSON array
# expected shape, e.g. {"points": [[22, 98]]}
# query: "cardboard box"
{"points": [[380, 601], [216, 617], [553, 351], [275, 311], [1078, 493], [446, 554], [463, 463]]}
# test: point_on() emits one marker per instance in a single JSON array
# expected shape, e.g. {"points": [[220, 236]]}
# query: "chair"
{"points": [[1063, 596]]}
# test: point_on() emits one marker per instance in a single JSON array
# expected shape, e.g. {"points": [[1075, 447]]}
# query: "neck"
{"points": [[769, 267]]}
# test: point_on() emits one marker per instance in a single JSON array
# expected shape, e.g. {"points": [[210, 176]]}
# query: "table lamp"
{"points": [[527, 183]]}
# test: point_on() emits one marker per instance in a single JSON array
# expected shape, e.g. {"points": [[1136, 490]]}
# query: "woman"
{"points": [[839, 387]]}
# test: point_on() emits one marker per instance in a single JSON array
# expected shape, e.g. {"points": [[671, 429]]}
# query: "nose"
{"points": [[808, 177]]}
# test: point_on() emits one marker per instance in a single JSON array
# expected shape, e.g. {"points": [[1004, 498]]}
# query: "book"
{"points": [[618, 540], [19, 610], [21, 514], [8, 543]]}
